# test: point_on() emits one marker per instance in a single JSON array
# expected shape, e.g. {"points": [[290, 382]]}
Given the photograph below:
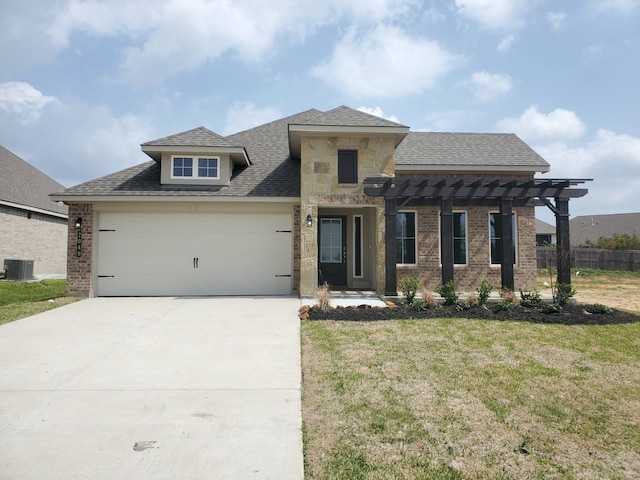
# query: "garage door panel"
{"points": [[153, 254]]}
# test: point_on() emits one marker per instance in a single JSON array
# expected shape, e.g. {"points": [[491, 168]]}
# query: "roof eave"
{"points": [[239, 155], [84, 198], [471, 168], [34, 209], [297, 130]]}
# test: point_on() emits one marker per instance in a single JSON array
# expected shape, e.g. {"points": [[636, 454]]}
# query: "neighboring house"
{"points": [[32, 226], [545, 233], [342, 197], [591, 227]]}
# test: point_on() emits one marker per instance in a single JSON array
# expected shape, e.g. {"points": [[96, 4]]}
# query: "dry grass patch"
{"points": [[467, 399]]}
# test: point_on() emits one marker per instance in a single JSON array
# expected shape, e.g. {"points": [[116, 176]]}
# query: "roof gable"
{"points": [[348, 117], [197, 137], [23, 184]]}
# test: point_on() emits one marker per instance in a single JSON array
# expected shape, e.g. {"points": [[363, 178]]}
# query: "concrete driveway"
{"points": [[158, 388]]}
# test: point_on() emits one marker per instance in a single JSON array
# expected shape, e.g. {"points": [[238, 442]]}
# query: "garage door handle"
{"points": [[195, 262]]}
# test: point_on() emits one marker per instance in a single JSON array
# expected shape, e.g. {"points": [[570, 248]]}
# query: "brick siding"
{"points": [[79, 267]]}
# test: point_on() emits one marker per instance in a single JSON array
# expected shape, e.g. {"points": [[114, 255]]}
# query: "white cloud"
{"points": [[534, 125], [496, 14], [166, 37], [386, 62], [82, 141], [489, 86], [613, 162], [23, 100], [449, 120], [242, 116], [377, 111], [557, 19], [505, 43], [615, 6]]}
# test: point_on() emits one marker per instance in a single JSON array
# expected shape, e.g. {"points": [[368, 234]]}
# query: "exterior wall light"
{"points": [[78, 223], [309, 220]]}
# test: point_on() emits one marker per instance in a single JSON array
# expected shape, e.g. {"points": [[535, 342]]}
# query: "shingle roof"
{"points": [[592, 227], [198, 137], [423, 149], [23, 184], [543, 227], [348, 117], [272, 174]]}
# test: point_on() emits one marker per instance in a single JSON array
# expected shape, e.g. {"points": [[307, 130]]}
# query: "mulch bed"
{"points": [[571, 314]]}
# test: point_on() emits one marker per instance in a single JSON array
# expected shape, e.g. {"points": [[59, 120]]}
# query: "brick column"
{"points": [[79, 263]]}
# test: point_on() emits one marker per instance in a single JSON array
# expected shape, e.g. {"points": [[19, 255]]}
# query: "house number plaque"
{"points": [[79, 243]]}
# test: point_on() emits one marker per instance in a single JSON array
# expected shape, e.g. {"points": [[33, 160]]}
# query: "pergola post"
{"points": [[506, 238], [563, 249], [391, 279], [446, 243]]}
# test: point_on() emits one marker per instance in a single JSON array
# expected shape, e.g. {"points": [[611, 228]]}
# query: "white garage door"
{"points": [[194, 254]]}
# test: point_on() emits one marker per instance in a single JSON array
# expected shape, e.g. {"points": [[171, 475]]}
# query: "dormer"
{"points": [[196, 157]]}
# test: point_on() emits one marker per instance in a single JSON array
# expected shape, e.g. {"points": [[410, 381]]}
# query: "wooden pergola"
{"points": [[501, 193]]}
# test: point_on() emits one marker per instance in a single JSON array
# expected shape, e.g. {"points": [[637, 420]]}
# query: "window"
{"points": [[347, 166], [182, 166], [357, 246], [406, 238], [330, 240], [459, 238], [495, 235], [207, 167]]}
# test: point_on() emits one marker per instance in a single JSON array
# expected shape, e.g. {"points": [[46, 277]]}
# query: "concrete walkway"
{"points": [[153, 388]]}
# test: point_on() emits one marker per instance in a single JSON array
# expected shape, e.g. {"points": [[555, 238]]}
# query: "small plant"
{"points": [[323, 296], [599, 308], [552, 308], [504, 305], [448, 292], [562, 293], [484, 291], [428, 299], [473, 300], [419, 305], [409, 287], [508, 296], [530, 299]]}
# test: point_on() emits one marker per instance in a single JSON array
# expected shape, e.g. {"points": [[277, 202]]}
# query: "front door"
{"points": [[332, 251]]}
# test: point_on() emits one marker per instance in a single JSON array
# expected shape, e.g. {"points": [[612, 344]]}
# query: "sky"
{"points": [[84, 82]]}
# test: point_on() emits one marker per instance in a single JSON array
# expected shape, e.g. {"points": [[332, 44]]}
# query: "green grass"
{"points": [[470, 399], [22, 299]]}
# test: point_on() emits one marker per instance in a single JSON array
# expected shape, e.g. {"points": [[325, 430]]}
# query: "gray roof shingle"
{"points": [[198, 137], [23, 184], [348, 117], [592, 227], [467, 149], [273, 173]]}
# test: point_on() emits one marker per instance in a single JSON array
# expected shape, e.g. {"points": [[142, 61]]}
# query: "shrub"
{"points": [[419, 305], [448, 292], [530, 299], [484, 290], [562, 293], [508, 296], [323, 296], [409, 287], [473, 300], [504, 305]]}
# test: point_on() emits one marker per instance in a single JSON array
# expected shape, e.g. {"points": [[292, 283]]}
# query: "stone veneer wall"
{"points": [[320, 188], [26, 235], [468, 277], [79, 268]]}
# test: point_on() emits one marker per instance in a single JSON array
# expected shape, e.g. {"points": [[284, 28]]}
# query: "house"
{"points": [[589, 228], [545, 233], [32, 226], [341, 197]]}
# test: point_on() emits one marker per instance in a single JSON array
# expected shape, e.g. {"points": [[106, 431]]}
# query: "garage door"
{"points": [[194, 254]]}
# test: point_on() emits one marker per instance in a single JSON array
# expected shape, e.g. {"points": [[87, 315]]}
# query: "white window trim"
{"points": [[195, 162], [515, 239], [415, 212], [466, 238], [361, 246]]}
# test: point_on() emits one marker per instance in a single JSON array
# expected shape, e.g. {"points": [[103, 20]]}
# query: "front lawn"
{"points": [[22, 299], [462, 398]]}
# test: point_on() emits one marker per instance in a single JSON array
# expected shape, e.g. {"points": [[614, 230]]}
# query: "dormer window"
{"points": [[206, 167]]}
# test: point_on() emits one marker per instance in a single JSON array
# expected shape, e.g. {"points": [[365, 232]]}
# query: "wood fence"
{"points": [[597, 258]]}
